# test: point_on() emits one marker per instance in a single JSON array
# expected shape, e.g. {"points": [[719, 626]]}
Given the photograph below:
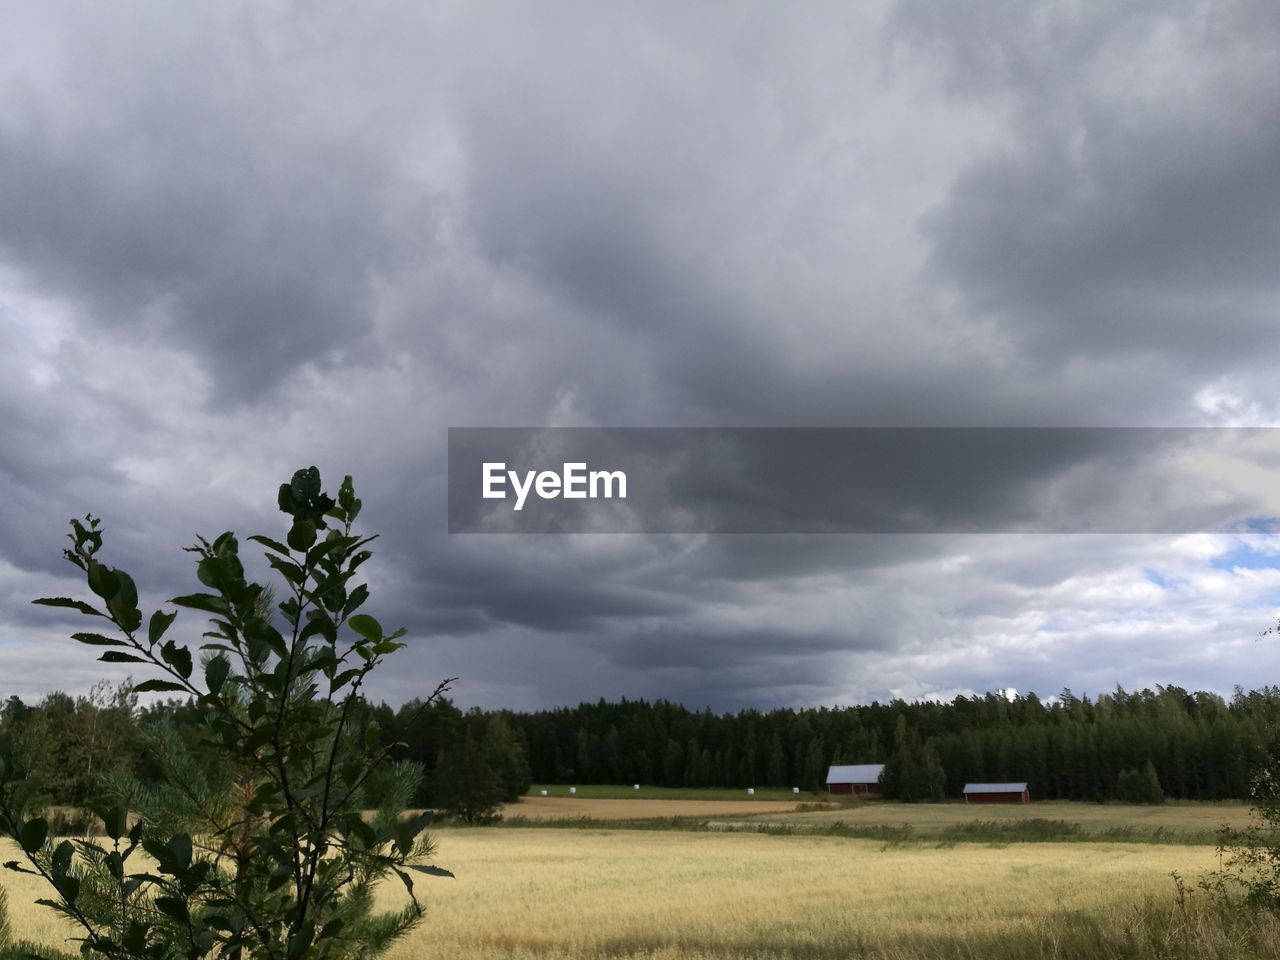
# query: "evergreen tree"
{"points": [[468, 788], [502, 752]]}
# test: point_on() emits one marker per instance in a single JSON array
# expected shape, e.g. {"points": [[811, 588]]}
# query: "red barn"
{"points": [[859, 779], [996, 793]]}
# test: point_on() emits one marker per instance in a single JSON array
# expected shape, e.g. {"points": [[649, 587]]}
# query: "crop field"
{"points": [[674, 895], [571, 808], [597, 791], [1172, 822], [1201, 820]]}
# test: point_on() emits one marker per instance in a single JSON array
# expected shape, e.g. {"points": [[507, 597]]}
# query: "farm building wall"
{"points": [[1023, 797], [854, 789]]}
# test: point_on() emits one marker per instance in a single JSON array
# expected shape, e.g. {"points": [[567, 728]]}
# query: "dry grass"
{"points": [[586, 894], [523, 893], [570, 808], [927, 818]]}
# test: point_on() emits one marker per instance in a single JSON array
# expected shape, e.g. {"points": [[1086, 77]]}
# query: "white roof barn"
{"points": [[996, 793], [855, 773], [855, 778], [994, 787]]}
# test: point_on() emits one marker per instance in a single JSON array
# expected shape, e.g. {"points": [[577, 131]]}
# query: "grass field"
{"points": [[624, 792], [1201, 820], [1174, 822], [593, 808], [616, 893], [601, 892]]}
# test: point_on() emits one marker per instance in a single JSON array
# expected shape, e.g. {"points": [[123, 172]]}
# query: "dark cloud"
{"points": [[1131, 205], [254, 238]]}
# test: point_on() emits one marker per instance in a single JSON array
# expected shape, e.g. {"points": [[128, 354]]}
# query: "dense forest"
{"points": [[1119, 745]]}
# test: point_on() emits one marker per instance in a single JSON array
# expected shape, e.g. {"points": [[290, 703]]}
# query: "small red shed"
{"points": [[996, 793], [858, 779]]}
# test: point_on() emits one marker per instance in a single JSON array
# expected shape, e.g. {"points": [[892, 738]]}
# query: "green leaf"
{"points": [[366, 626], [33, 833], [305, 484], [430, 870], [359, 594], [215, 572], [180, 846], [172, 907], [129, 618], [135, 938], [215, 673], [347, 499], [289, 570], [299, 942], [177, 657], [285, 499], [159, 686], [128, 593], [302, 534], [363, 831], [329, 584], [103, 580], [159, 623], [331, 543], [275, 545], [342, 679], [117, 656], [116, 821], [69, 604], [98, 640], [201, 601], [61, 860], [68, 886]]}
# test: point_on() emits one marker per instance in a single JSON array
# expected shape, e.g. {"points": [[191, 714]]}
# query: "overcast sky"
{"points": [[246, 237]]}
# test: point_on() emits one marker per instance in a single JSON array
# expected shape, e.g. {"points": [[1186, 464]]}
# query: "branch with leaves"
{"points": [[275, 856]]}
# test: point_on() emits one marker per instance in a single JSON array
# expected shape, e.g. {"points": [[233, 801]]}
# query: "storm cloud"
{"points": [[241, 240]]}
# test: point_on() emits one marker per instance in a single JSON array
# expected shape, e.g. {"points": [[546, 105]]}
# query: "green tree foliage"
{"points": [[1140, 786], [502, 753], [1200, 746], [914, 773], [469, 789], [260, 848]]}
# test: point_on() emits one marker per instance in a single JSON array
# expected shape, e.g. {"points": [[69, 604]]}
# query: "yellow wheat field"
{"points": [[523, 893], [1176, 818]]}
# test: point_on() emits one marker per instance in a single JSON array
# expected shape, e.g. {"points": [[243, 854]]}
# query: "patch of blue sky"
{"points": [[1256, 553], [1262, 526], [1161, 580], [1054, 623]]}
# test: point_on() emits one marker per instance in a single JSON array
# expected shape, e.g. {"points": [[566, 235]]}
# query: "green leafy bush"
{"points": [[260, 847]]}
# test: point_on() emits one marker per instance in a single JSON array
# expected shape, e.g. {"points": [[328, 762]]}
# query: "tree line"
{"points": [[1121, 745]]}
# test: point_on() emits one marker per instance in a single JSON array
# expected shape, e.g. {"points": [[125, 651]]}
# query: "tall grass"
{"points": [[1034, 830], [694, 894]]}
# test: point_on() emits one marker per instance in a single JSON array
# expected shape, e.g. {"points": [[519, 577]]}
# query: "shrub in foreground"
{"points": [[259, 847]]}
